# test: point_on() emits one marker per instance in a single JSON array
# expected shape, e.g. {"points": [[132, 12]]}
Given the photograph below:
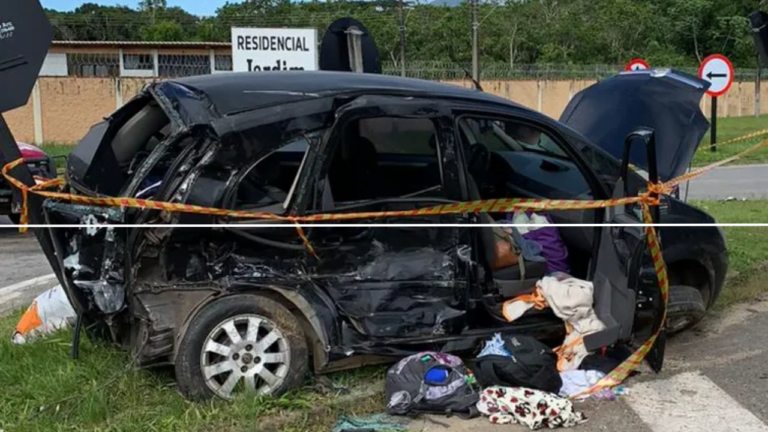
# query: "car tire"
{"points": [[15, 218], [685, 308], [209, 358]]}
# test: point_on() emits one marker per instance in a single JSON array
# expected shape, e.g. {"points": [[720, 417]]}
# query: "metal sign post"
{"points": [[355, 48], [718, 71]]}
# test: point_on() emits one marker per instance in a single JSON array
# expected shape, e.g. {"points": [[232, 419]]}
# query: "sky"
{"points": [[196, 7]]}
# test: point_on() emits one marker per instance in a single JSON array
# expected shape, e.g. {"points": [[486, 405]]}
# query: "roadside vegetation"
{"points": [[730, 128], [747, 249], [44, 390]]}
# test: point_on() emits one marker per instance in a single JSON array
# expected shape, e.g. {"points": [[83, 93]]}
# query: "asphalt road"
{"points": [[748, 181], [21, 261], [20, 255], [715, 378]]}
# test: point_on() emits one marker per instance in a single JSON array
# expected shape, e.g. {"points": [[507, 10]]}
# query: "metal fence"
{"points": [[179, 65]]}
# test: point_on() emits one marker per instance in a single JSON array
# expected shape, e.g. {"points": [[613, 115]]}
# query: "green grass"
{"points": [[57, 149], [44, 390], [747, 248], [730, 128]]}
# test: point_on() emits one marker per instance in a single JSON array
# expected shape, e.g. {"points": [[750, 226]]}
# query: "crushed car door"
{"points": [[627, 295], [398, 154]]}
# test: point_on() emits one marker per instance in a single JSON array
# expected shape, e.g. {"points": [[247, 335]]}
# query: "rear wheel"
{"points": [[242, 343], [15, 218], [685, 308]]}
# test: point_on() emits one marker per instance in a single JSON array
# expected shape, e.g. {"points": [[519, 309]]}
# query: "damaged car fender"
{"points": [[311, 306]]}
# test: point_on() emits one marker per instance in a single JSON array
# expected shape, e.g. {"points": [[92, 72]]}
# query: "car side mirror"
{"points": [[648, 137]]}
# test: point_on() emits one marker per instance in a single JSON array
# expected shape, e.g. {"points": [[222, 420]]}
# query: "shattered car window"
{"points": [[400, 136], [269, 181], [386, 158]]}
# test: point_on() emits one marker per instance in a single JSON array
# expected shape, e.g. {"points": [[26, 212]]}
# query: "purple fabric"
{"points": [[552, 247]]}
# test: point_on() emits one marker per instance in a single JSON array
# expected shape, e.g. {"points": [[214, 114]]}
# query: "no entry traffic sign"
{"points": [[718, 70], [637, 64]]}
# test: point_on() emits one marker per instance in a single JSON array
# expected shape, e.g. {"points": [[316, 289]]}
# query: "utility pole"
{"points": [[475, 40], [757, 86], [402, 38]]}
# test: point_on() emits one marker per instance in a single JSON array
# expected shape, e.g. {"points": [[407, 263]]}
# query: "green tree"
{"points": [[517, 32]]}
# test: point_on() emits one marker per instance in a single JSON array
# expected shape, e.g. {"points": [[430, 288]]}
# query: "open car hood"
{"points": [[665, 100]]}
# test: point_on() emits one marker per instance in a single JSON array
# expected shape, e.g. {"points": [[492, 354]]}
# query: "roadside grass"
{"points": [[53, 149], [44, 390], [747, 248], [729, 128]]}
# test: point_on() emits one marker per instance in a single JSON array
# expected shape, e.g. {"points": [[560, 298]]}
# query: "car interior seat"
{"points": [[354, 168], [509, 281], [137, 132], [257, 190]]}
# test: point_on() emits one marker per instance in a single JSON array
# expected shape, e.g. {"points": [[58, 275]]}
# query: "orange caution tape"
{"points": [[646, 199], [622, 371], [738, 139]]}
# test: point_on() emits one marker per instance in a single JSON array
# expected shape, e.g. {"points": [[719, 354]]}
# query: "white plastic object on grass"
{"points": [[49, 312]]}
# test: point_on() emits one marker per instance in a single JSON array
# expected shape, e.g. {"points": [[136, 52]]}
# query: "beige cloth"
{"points": [[571, 300]]}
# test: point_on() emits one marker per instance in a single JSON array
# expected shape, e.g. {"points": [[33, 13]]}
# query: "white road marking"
{"points": [[690, 402], [10, 289], [19, 294]]}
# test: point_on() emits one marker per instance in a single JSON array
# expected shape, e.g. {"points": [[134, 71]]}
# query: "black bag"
{"points": [[409, 392], [532, 365]]}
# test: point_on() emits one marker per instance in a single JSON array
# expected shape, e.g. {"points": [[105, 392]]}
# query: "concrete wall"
{"points": [[61, 109]]}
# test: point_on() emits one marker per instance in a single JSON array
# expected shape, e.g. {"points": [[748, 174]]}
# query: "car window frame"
{"points": [[561, 139], [523, 146], [329, 148], [440, 113], [285, 205]]}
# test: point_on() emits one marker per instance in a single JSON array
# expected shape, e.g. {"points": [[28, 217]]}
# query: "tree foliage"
{"points": [[665, 32]]}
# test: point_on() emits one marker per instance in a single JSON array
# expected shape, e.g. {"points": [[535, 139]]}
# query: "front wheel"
{"points": [[244, 343], [685, 308]]}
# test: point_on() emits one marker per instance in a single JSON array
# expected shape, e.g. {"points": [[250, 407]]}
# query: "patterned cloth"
{"points": [[533, 408]]}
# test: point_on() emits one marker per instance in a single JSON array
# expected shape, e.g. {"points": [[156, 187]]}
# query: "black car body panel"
{"points": [[373, 291], [667, 101]]}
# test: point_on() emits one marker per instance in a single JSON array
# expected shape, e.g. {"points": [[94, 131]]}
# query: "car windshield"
{"points": [[507, 136]]}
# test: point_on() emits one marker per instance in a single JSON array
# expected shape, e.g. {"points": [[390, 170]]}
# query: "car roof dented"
{"points": [[237, 92]]}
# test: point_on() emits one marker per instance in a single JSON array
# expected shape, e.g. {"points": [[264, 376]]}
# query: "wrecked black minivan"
{"points": [[232, 300]]}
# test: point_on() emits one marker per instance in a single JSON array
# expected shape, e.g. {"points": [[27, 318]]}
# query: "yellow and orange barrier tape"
{"points": [[746, 137], [646, 199]]}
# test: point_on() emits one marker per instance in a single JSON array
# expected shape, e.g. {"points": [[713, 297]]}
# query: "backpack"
{"points": [[529, 364], [431, 382]]}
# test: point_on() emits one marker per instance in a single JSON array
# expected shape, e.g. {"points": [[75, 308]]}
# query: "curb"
{"points": [[20, 294]]}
